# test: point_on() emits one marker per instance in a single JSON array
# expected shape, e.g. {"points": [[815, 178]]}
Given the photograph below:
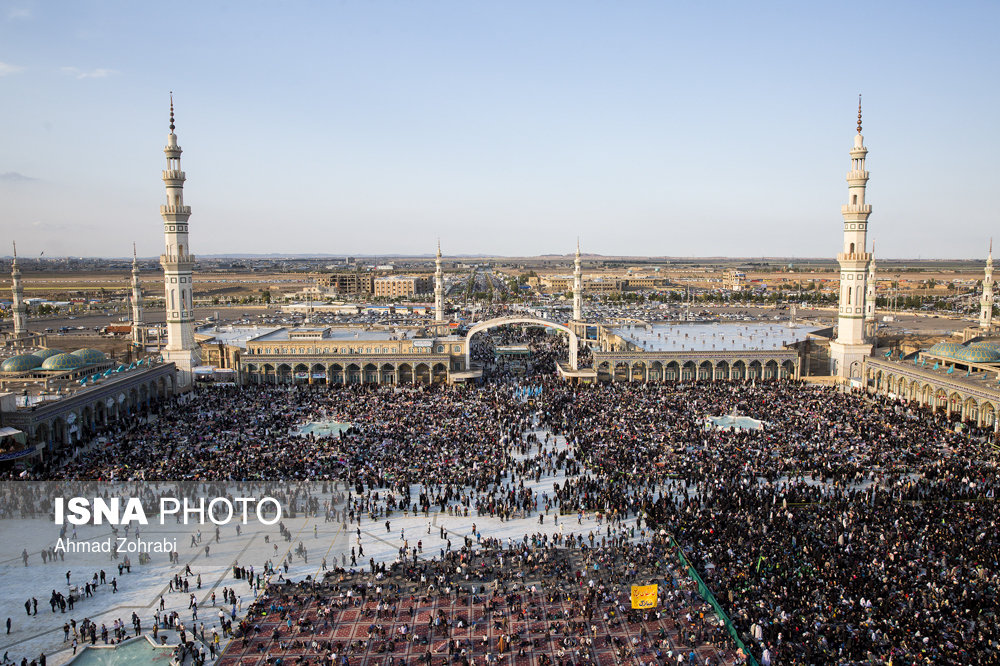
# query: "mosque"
{"points": [[51, 399]]}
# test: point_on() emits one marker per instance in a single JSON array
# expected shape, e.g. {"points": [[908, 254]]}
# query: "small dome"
{"points": [[946, 349], [90, 356], [21, 363], [45, 353], [978, 355], [62, 362]]}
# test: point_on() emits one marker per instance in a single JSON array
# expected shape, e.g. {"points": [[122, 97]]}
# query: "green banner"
{"points": [[707, 595]]}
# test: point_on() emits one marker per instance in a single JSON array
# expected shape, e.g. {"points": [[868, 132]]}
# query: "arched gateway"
{"points": [[503, 321]]}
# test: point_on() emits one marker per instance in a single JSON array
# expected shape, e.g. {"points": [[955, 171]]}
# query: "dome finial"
{"points": [[859, 113], [171, 111]]}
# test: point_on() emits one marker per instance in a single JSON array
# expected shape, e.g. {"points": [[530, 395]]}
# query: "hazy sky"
{"points": [[374, 126]]}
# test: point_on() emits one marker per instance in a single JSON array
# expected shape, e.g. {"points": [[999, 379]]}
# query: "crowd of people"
{"points": [[540, 597], [846, 530]]}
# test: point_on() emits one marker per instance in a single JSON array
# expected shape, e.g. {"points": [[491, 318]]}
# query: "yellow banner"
{"points": [[644, 596]]}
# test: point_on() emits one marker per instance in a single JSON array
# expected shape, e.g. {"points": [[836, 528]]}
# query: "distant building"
{"points": [[735, 281], [401, 286], [346, 283]]}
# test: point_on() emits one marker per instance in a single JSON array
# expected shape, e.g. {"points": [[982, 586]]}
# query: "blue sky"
{"points": [[374, 126]]}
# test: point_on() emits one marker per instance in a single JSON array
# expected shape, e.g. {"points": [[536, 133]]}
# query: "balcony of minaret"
{"points": [[175, 259], [854, 257], [857, 175], [175, 210], [856, 209]]}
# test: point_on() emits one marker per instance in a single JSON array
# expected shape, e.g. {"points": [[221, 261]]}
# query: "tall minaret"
{"points": [[178, 263], [19, 309], [438, 287], [577, 286], [848, 351], [137, 323], [870, 324], [986, 311]]}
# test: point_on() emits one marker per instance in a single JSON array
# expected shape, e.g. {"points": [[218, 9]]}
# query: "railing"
{"points": [[707, 595], [853, 256], [175, 259], [856, 208]]}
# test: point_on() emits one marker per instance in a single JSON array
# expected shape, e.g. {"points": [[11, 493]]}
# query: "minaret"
{"points": [[19, 309], [137, 323], [577, 286], [870, 324], [986, 312], [177, 264], [438, 287], [848, 351]]}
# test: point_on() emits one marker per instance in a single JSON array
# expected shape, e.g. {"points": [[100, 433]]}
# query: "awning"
{"points": [[14, 433]]}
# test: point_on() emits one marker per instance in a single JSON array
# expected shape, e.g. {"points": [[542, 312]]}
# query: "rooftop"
{"points": [[237, 336], [712, 336], [347, 333]]}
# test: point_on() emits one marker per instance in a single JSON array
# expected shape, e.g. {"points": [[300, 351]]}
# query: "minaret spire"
{"points": [[848, 351], [138, 328], [870, 299], [18, 307], [438, 287], [178, 264], [577, 285], [986, 301]]}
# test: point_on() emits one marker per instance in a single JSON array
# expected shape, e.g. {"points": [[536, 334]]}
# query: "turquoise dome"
{"points": [[45, 353], [62, 362], [995, 346], [977, 355], [21, 363], [946, 349], [90, 356]]}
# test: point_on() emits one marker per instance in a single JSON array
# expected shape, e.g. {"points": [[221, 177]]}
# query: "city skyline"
{"points": [[372, 130]]}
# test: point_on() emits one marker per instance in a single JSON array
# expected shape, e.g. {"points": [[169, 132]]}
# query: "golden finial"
{"points": [[171, 111], [859, 114]]}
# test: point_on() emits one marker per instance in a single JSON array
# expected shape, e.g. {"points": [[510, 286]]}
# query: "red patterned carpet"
{"points": [[299, 624]]}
